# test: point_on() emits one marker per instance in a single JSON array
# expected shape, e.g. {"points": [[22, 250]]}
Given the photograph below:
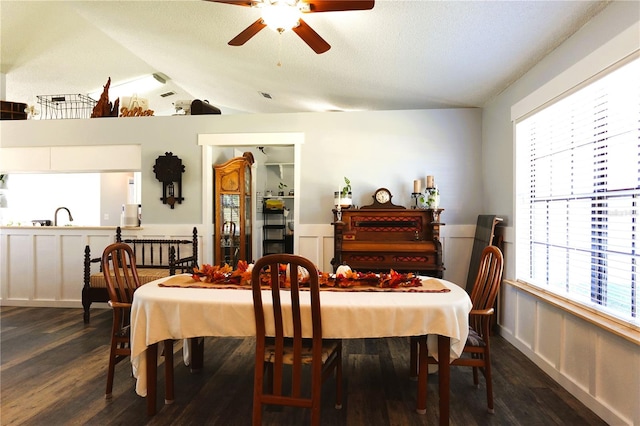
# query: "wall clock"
{"points": [[169, 169], [382, 200]]}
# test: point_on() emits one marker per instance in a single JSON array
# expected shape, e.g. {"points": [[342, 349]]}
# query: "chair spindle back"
{"points": [[287, 327], [120, 273], [487, 283]]}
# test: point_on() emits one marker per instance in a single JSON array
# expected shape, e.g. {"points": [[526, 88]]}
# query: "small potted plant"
{"points": [[281, 187], [342, 198]]}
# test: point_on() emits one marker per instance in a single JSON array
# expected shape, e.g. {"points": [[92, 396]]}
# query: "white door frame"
{"points": [[210, 142]]}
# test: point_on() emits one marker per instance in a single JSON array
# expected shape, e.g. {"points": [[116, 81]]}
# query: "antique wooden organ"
{"points": [[379, 239]]}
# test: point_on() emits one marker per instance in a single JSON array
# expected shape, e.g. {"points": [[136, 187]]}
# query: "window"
{"points": [[578, 194]]}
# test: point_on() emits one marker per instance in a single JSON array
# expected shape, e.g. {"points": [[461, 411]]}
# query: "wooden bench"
{"points": [[155, 258]]}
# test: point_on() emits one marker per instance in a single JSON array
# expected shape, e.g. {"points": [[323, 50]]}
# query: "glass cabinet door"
{"points": [[229, 221], [248, 250]]}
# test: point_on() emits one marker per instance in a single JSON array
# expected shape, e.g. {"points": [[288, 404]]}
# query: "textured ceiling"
{"points": [[399, 55]]}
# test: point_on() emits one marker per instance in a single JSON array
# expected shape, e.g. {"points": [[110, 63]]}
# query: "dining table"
{"points": [[179, 308]]}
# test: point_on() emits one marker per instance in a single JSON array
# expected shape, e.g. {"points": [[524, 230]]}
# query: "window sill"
{"points": [[617, 327]]}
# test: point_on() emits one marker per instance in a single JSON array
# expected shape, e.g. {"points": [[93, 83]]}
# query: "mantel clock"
{"points": [[382, 200]]}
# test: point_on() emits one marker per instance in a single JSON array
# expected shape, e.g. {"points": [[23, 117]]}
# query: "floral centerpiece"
{"points": [[344, 277], [224, 274]]}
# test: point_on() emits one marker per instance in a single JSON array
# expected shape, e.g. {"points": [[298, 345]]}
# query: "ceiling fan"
{"points": [[283, 15]]}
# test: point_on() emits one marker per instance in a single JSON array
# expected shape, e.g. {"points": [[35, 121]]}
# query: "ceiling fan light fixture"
{"points": [[283, 15], [280, 15]]}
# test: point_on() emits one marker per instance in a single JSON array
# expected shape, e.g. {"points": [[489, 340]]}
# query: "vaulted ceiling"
{"points": [[399, 55]]}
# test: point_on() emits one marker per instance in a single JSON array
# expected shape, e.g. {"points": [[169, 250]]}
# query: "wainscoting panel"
{"points": [[526, 320], [47, 267], [546, 342], [578, 352], [617, 376], [18, 269], [43, 266], [457, 243], [69, 276], [598, 367]]}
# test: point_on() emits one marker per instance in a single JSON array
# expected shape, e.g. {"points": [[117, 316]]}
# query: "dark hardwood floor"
{"points": [[53, 372]]}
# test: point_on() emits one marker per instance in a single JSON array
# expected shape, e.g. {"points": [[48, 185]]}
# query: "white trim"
{"points": [[619, 47], [209, 141]]}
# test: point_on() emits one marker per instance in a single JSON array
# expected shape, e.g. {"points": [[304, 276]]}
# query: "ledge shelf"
{"points": [[281, 166]]}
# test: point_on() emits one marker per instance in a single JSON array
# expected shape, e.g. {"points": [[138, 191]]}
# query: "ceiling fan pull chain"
{"points": [[280, 49]]}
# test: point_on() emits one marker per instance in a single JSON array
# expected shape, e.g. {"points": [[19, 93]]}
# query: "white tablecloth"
{"points": [[160, 313]]}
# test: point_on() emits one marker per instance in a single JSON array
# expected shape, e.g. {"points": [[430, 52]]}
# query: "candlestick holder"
{"points": [[339, 214], [415, 196]]}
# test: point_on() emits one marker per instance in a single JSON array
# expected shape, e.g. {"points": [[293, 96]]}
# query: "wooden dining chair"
{"points": [[282, 343], [121, 277], [483, 296]]}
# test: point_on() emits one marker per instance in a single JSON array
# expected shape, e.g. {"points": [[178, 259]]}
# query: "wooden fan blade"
{"points": [[339, 5], [249, 32], [248, 3], [311, 37]]}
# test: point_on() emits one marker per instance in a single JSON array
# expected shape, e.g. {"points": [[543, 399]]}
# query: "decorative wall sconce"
{"points": [[168, 170]]}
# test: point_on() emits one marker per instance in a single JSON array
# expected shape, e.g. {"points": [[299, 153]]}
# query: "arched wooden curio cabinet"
{"points": [[232, 210]]}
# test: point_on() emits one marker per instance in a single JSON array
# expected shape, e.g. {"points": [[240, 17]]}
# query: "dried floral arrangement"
{"points": [[344, 277]]}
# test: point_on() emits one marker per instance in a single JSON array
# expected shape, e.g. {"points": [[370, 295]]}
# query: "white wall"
{"points": [[599, 368], [114, 192], [374, 149]]}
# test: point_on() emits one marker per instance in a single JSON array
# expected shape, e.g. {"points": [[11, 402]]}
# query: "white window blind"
{"points": [[578, 194]]}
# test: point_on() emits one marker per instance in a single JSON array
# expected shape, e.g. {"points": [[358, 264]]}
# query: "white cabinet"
{"points": [[32, 159], [94, 158]]}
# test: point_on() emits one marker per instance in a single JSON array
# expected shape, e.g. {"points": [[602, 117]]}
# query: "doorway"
{"points": [[276, 147]]}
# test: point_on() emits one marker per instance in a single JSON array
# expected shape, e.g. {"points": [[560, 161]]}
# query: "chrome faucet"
{"points": [[55, 215]]}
